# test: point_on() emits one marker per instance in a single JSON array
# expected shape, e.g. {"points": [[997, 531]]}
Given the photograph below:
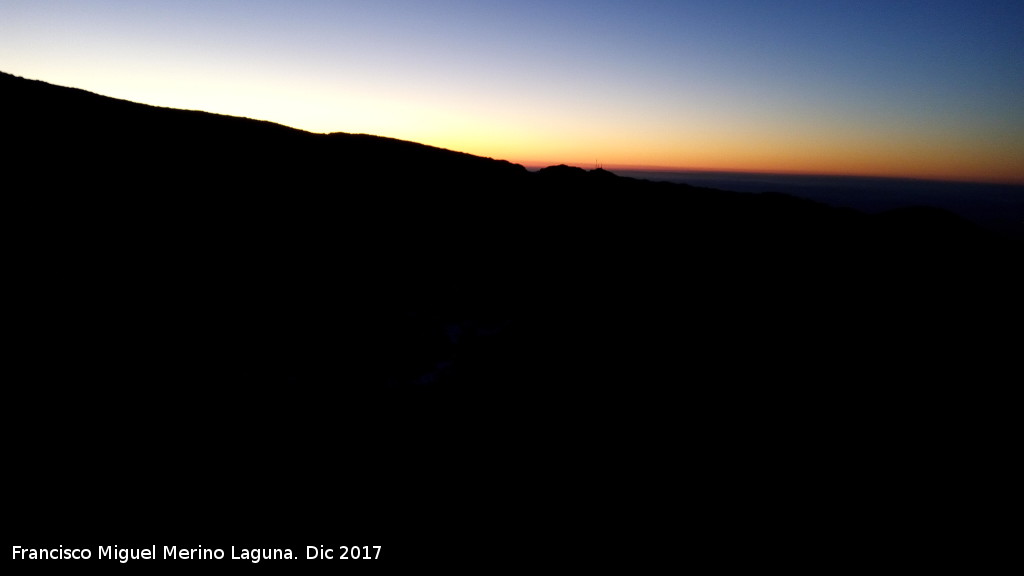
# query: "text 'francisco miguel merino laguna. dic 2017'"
{"points": [[123, 555]]}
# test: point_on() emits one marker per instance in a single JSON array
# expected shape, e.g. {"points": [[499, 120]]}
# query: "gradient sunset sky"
{"points": [[931, 88]]}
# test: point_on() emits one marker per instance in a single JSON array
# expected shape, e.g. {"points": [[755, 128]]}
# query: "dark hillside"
{"points": [[140, 187], [241, 209], [194, 275]]}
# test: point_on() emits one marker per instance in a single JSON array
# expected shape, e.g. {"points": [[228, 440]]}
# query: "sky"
{"points": [[906, 88]]}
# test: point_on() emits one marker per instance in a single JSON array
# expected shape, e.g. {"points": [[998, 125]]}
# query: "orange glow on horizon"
{"points": [[908, 91]]}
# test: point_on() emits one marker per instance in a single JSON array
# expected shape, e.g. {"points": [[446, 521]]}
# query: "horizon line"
{"points": [[537, 165]]}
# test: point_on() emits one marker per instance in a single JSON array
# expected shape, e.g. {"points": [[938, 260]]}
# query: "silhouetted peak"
{"points": [[562, 171], [571, 175]]}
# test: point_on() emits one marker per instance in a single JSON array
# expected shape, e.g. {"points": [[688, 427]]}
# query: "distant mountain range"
{"points": [[998, 207]]}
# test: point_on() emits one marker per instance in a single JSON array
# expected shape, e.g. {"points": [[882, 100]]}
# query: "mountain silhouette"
{"points": [[179, 275], [305, 330], [418, 261]]}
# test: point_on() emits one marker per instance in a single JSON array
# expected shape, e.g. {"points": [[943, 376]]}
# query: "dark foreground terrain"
{"points": [[233, 288]]}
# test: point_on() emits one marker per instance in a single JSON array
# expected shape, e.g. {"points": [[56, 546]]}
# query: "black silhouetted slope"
{"points": [[78, 133], [240, 290], [194, 247]]}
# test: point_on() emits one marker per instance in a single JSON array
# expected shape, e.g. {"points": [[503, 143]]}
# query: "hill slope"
{"points": [[182, 281], [300, 229], [207, 255]]}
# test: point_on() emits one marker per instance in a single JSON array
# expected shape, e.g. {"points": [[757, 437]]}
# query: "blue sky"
{"points": [[898, 88]]}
